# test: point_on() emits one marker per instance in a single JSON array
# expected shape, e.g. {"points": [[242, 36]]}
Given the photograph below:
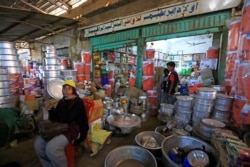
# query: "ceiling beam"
{"points": [[23, 1], [60, 6], [65, 4], [16, 24]]}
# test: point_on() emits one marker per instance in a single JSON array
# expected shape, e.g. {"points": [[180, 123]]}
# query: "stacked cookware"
{"points": [[183, 110], [52, 67], [204, 101], [222, 108], [6, 100], [11, 77]]}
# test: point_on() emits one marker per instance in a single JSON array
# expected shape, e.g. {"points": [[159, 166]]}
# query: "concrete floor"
{"points": [[23, 153]]}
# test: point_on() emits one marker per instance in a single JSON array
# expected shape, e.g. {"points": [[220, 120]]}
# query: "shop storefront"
{"points": [[189, 19]]}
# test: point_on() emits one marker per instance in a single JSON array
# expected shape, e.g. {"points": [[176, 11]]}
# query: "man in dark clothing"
{"points": [[70, 109], [172, 82]]}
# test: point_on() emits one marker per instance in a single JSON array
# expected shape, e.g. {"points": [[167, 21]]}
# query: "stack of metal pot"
{"points": [[9, 60], [6, 100], [222, 108], [204, 101], [183, 110], [52, 67]]}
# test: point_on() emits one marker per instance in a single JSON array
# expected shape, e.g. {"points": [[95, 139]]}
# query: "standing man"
{"points": [[163, 86], [172, 82]]}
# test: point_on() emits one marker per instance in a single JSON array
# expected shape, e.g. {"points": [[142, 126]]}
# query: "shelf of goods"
{"points": [[111, 66]]}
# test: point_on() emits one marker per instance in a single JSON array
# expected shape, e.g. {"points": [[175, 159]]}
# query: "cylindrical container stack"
{"points": [[6, 100], [166, 112], [52, 67], [222, 108], [204, 101], [64, 63], [183, 110], [152, 102], [83, 71], [9, 60], [69, 75]]}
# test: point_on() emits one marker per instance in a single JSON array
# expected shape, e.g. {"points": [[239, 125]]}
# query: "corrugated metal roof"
{"points": [[23, 25]]}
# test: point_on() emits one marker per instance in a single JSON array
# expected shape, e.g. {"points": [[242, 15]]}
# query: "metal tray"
{"points": [[54, 88]]}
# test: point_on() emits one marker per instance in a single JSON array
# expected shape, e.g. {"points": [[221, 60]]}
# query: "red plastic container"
{"points": [[148, 68], [212, 53], [233, 35], [148, 82], [150, 53], [70, 155]]}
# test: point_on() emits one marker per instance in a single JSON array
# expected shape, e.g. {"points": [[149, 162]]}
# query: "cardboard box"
{"points": [[31, 105]]}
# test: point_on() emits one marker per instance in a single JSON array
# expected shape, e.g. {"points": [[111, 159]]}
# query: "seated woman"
{"points": [[70, 109]]}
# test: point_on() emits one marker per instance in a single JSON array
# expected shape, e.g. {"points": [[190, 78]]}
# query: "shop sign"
{"points": [[161, 14]]}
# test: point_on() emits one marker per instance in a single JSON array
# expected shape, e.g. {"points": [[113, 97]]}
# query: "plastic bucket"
{"points": [[111, 74], [148, 68], [112, 83], [153, 100], [153, 110], [237, 107], [152, 93], [148, 82], [150, 53], [105, 79], [244, 50], [245, 26], [233, 35], [246, 81], [79, 67], [82, 77], [86, 57], [132, 81], [86, 68], [212, 53]]}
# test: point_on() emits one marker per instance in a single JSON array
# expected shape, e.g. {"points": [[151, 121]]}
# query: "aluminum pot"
{"points": [[167, 109], [184, 101], [52, 61], [48, 55], [4, 84], [222, 107], [200, 114], [187, 143], [51, 73], [203, 108], [151, 141], [130, 156], [4, 77], [9, 63], [8, 57], [16, 69], [7, 105], [206, 93], [224, 100], [4, 51], [5, 99], [5, 44], [3, 71], [221, 115], [51, 67], [5, 92]]}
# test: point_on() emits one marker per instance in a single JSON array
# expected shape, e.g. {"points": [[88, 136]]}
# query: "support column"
{"points": [[141, 47]]}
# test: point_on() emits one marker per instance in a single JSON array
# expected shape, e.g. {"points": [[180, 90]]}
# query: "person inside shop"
{"points": [[172, 82], [163, 86], [195, 72], [70, 109]]}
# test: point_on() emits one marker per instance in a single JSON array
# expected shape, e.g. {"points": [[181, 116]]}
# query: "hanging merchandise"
{"points": [[148, 82], [132, 79], [150, 54], [148, 68], [233, 35], [245, 27], [212, 53], [85, 57]]}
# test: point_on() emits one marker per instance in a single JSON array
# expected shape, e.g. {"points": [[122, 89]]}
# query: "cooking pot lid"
{"points": [[54, 88], [213, 123], [206, 89]]}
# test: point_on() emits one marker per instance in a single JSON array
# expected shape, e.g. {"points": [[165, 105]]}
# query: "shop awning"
{"points": [[25, 26]]}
